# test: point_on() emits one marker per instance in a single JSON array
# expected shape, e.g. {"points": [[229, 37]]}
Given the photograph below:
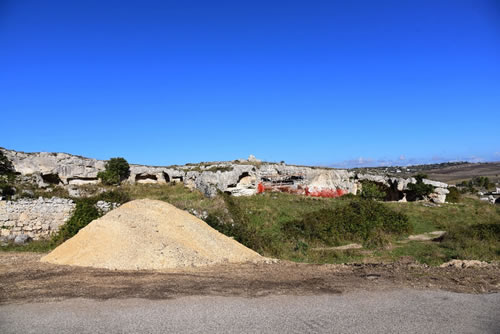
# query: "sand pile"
{"points": [[149, 234]]}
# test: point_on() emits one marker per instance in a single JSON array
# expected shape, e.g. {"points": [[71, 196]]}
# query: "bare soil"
{"points": [[454, 174], [23, 278]]}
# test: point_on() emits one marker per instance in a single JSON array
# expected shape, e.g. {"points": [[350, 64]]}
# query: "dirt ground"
{"points": [[24, 279], [452, 174]]}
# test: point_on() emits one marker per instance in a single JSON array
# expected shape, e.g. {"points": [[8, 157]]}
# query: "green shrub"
{"points": [[5, 165], [419, 190], [240, 228], [6, 190], [117, 170], [109, 178], [372, 190], [364, 221], [85, 212], [454, 196], [114, 196], [482, 182]]}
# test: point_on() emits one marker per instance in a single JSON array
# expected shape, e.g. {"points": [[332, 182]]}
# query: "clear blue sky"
{"points": [[308, 82]]}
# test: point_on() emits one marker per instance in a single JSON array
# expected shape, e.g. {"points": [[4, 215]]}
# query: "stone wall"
{"points": [[37, 218]]}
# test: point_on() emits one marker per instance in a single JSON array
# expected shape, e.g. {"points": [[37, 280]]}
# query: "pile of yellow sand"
{"points": [[149, 234]]}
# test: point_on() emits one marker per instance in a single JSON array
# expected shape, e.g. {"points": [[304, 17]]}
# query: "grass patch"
{"points": [[37, 246], [428, 252], [368, 222], [289, 226], [207, 168]]}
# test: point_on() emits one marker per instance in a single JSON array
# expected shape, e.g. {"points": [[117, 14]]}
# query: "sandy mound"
{"points": [[149, 234]]}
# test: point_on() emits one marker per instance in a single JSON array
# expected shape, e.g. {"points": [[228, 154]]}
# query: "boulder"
{"points": [[436, 184], [464, 264], [21, 239]]}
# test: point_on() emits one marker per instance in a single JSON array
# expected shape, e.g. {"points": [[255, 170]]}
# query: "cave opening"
{"points": [[166, 177], [145, 178], [51, 178]]}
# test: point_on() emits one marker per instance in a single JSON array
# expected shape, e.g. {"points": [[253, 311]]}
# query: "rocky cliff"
{"points": [[239, 178]]}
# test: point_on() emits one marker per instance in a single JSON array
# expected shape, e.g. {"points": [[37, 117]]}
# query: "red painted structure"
{"points": [[327, 193]]}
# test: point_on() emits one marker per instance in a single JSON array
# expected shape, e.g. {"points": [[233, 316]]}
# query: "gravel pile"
{"points": [[152, 235]]}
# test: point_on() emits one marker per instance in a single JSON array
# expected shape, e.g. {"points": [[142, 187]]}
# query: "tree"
{"points": [[419, 190], [117, 170], [5, 165], [372, 190]]}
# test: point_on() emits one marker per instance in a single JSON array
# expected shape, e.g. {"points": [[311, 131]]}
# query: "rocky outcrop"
{"points": [[240, 178], [56, 168], [400, 186]]}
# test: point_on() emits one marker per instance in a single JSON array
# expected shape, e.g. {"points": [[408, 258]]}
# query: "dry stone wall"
{"points": [[36, 218]]}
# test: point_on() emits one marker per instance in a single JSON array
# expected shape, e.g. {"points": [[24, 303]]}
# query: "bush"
{"points": [[5, 165], [482, 182], [454, 196], [85, 212], [117, 170], [419, 190], [364, 221], [372, 190], [109, 178], [6, 190], [240, 229], [114, 196]]}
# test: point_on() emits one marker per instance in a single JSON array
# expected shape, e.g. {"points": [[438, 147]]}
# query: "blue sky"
{"points": [[342, 83]]}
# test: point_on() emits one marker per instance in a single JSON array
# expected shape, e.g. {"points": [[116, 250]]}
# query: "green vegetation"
{"points": [[472, 230], [221, 169], [37, 246], [429, 253], [419, 190], [7, 190], [373, 190], [209, 168], [179, 196], [292, 227], [85, 212], [5, 165], [117, 170], [482, 182], [454, 196], [364, 221]]}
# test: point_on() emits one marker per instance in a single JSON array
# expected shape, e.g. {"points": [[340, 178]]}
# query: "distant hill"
{"points": [[449, 172]]}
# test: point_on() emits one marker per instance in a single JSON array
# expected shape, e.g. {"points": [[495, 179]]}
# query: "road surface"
{"points": [[396, 311]]}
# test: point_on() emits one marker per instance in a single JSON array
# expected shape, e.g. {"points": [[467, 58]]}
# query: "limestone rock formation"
{"points": [[240, 178]]}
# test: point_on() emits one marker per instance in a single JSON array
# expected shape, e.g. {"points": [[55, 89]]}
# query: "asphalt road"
{"points": [[400, 311]]}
